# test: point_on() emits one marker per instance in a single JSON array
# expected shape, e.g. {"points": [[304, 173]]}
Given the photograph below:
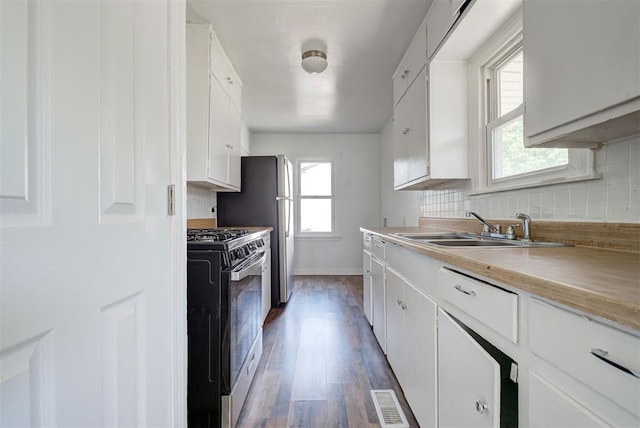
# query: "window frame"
{"points": [[300, 234], [507, 43]]}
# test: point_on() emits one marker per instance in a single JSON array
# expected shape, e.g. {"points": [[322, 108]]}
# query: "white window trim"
{"points": [[581, 164], [312, 236]]}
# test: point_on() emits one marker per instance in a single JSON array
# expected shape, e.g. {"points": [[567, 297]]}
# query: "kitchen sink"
{"points": [[461, 239], [432, 236], [474, 243]]}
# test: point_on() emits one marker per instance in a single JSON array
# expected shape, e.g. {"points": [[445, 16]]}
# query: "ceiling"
{"points": [[365, 40]]}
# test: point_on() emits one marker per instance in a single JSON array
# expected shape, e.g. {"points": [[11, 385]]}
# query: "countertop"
{"points": [[604, 283]]}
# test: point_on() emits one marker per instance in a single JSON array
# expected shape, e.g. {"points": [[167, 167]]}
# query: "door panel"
{"points": [[84, 313], [468, 377], [25, 134]]}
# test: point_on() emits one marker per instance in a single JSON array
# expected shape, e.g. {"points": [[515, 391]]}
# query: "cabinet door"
{"points": [[234, 145], [468, 379], [400, 81], [396, 332], [579, 58], [551, 408], [218, 118], [378, 296], [416, 149], [417, 53], [441, 18], [366, 285], [419, 384], [401, 129], [218, 63]]}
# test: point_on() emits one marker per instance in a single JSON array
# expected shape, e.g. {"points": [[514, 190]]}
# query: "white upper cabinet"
{"points": [[441, 17], [582, 71], [412, 63], [213, 113]]}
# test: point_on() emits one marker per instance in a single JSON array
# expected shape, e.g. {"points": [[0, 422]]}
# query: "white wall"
{"points": [[398, 208], [358, 195]]}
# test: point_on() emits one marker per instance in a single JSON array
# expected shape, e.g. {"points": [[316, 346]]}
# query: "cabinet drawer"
{"points": [[492, 306], [550, 407], [366, 241], [378, 248], [571, 342]]}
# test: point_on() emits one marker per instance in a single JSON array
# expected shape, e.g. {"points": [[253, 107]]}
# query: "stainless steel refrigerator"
{"points": [[266, 199]]}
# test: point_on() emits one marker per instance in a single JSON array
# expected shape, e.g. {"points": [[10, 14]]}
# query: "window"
{"points": [[505, 111], [499, 158], [316, 198]]}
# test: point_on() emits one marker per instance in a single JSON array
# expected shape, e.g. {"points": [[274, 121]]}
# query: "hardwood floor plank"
{"points": [[309, 381], [336, 406], [312, 413]]}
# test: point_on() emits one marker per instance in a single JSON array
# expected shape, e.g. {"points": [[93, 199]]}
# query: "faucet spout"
{"points": [[526, 223], [492, 228]]}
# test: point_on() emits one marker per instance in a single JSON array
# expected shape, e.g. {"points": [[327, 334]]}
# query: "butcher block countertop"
{"points": [[601, 282]]}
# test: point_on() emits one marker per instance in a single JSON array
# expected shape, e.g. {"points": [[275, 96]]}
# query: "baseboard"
{"points": [[353, 271]]}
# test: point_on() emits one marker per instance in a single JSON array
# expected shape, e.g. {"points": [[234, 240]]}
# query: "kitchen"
{"points": [[78, 179]]}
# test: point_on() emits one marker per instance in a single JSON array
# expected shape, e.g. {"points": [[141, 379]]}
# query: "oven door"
{"points": [[244, 304]]}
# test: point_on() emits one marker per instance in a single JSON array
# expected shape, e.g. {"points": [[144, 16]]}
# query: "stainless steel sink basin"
{"points": [[461, 239], [475, 243], [432, 236]]}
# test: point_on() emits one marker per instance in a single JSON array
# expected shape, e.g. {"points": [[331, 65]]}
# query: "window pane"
{"points": [[511, 158], [315, 178], [315, 215], [510, 84]]}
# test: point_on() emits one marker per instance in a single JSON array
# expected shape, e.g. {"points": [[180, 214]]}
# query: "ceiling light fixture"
{"points": [[314, 61]]}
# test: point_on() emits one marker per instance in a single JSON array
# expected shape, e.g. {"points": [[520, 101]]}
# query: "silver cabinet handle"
{"points": [[604, 356], [406, 131], [462, 290], [481, 406]]}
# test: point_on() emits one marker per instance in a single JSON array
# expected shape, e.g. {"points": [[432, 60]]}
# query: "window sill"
{"points": [[327, 237], [517, 186]]}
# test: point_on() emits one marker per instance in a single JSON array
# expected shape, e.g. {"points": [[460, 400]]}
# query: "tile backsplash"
{"points": [[199, 202], [613, 198]]}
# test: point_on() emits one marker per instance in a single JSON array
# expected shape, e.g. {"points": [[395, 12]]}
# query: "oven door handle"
{"points": [[241, 271]]}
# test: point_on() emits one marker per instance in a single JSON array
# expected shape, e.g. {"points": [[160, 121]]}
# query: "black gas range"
{"points": [[225, 269]]}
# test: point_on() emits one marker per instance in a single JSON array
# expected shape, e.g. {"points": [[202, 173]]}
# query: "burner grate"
{"points": [[214, 235]]}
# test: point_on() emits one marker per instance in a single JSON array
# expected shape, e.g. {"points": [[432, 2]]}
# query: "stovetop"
{"points": [[236, 244], [215, 234]]}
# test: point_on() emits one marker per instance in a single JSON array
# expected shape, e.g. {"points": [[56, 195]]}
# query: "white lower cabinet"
{"points": [[549, 407], [378, 296], [468, 379], [366, 285], [457, 341], [411, 346]]}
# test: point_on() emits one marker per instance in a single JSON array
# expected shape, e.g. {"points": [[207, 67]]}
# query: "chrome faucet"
{"points": [[526, 223], [491, 228]]}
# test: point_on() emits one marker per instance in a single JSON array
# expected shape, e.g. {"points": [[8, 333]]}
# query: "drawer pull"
{"points": [[603, 355], [462, 290]]}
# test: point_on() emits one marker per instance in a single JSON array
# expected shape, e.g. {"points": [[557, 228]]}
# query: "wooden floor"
{"points": [[320, 360]]}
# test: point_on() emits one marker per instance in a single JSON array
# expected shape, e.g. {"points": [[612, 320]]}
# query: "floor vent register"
{"points": [[388, 408]]}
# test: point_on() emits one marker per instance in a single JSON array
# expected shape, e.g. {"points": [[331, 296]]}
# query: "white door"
{"points": [[85, 268], [468, 379]]}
